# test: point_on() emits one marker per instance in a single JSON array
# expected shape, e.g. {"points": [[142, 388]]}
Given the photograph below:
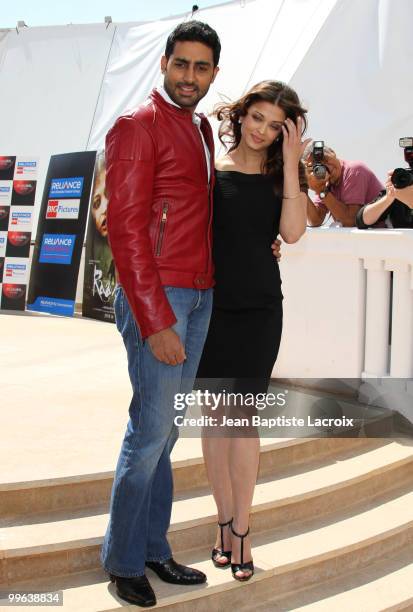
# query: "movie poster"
{"points": [[99, 278], [18, 181], [60, 233]]}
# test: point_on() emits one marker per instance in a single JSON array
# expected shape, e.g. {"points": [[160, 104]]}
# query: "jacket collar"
{"points": [[162, 92], [184, 114], [170, 108], [162, 101]]}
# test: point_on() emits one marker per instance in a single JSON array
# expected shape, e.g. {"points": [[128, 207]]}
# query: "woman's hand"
{"points": [[276, 249], [293, 146]]}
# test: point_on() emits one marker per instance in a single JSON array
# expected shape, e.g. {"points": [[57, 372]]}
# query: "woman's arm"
{"points": [[293, 220]]}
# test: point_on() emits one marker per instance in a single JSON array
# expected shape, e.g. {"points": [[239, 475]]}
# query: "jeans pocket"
{"points": [[119, 308], [125, 320]]}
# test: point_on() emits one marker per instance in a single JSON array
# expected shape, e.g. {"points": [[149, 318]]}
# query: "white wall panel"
{"points": [[356, 81], [50, 80]]}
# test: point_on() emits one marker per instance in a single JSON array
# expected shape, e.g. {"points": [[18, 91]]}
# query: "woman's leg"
{"points": [[231, 460], [243, 468], [261, 336], [216, 451]]}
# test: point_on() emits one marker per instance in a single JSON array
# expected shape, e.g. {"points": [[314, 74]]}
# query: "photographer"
{"points": [[394, 207], [341, 186]]}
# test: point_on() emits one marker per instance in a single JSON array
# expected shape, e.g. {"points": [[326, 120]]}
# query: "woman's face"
{"points": [[99, 205], [262, 125]]}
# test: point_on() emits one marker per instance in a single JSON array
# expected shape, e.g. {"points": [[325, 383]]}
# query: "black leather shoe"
{"points": [[135, 590], [175, 573]]}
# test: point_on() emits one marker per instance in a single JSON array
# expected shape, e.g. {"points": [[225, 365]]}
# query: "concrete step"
{"points": [[385, 586], [286, 559], [85, 489], [69, 541]]}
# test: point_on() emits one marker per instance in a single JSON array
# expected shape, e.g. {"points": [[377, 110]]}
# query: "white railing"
{"points": [[348, 308]]}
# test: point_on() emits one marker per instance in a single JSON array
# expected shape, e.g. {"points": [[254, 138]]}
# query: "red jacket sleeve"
{"points": [[130, 168]]}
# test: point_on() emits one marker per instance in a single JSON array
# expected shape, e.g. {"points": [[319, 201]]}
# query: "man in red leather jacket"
{"points": [[159, 179]]}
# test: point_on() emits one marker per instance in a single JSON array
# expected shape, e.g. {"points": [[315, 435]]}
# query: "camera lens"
{"points": [[320, 171], [402, 177]]}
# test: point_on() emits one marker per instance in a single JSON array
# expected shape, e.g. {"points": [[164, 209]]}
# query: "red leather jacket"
{"points": [[160, 207]]}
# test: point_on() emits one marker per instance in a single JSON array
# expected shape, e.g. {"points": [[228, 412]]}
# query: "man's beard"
{"points": [[183, 102]]}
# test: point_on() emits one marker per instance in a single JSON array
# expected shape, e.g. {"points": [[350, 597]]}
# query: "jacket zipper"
{"points": [[162, 228], [205, 164], [201, 141]]}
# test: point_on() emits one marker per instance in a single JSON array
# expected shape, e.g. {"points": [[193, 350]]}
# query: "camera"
{"points": [[319, 169], [403, 177]]}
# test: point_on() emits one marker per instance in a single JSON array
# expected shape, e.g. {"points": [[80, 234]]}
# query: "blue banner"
{"points": [[60, 233]]}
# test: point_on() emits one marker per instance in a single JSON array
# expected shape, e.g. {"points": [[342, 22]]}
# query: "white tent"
{"points": [[62, 87]]}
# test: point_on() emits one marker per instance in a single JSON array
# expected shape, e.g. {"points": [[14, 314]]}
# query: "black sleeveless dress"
{"points": [[246, 322]]}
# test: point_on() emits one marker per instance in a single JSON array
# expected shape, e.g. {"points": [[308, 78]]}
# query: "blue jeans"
{"points": [[141, 502]]}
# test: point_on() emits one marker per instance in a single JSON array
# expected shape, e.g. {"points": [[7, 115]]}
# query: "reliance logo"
{"points": [[15, 271], [59, 241], [21, 218], [57, 248], [66, 187], [27, 167]]}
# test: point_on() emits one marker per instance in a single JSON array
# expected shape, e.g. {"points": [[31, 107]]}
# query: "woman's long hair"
{"points": [[274, 92]]}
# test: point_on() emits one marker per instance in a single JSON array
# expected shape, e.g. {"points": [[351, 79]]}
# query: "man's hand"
{"points": [[276, 249], [314, 183], [167, 347]]}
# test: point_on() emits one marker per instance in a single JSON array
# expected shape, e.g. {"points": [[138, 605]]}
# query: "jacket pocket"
{"points": [[162, 227]]}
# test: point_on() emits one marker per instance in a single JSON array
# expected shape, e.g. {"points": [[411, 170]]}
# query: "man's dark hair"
{"points": [[194, 31]]}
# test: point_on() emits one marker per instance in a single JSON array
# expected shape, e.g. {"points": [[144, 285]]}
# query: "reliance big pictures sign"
{"points": [[60, 233]]}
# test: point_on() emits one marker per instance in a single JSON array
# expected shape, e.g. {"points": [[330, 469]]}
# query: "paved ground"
{"points": [[65, 394]]}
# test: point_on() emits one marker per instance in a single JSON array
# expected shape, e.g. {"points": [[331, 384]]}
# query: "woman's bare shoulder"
{"points": [[225, 163]]}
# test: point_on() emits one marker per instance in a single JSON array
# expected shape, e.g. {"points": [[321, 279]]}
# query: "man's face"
{"points": [[331, 162], [188, 72], [99, 206]]}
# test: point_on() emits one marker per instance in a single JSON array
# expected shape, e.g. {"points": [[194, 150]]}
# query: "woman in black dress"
{"points": [[260, 191]]}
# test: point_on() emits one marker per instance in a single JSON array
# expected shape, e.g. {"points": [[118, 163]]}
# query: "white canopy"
{"points": [[62, 87]]}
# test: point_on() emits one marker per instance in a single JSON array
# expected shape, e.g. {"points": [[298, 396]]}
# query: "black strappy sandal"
{"points": [[242, 567], [221, 552]]}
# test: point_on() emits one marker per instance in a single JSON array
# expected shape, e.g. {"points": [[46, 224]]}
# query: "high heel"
{"points": [[221, 552], [242, 567]]}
